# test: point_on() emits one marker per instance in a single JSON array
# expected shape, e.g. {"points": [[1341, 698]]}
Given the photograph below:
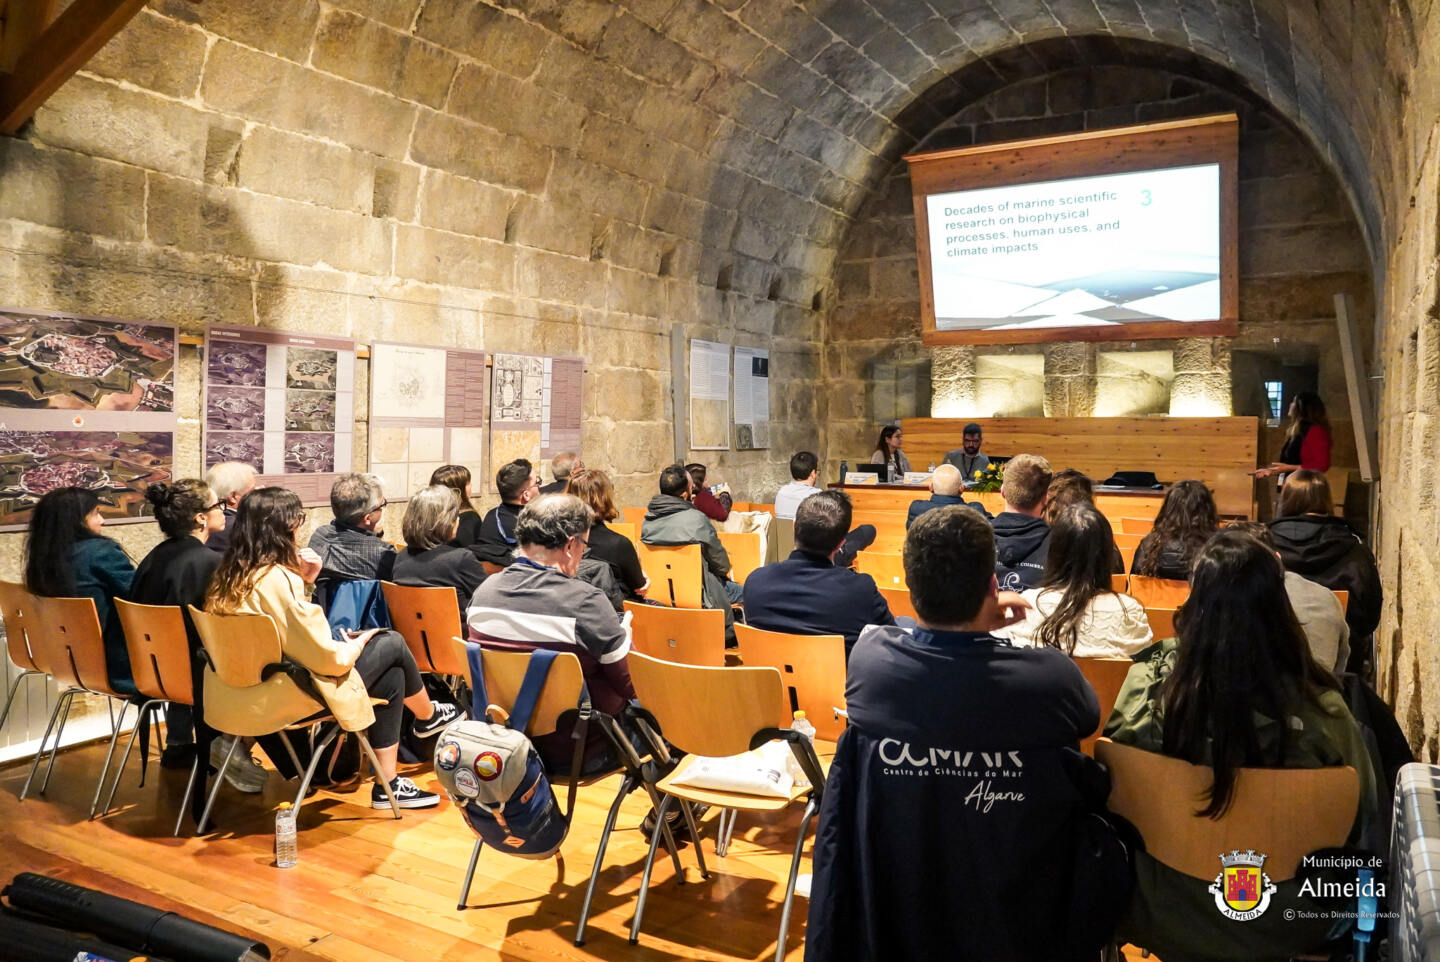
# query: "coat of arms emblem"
{"points": [[1242, 890]]}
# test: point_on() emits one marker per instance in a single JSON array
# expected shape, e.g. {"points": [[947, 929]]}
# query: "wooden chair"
{"points": [[886, 569], [1140, 526], [238, 648], [159, 651], [1341, 595], [1107, 677], [15, 607], [1127, 557], [1162, 622], [811, 666], [1160, 795], [675, 573], [717, 712], [782, 532], [686, 636], [628, 530], [744, 551], [899, 601], [1158, 592], [1118, 582], [491, 568], [65, 635], [429, 621], [635, 516], [1131, 541], [888, 541]]}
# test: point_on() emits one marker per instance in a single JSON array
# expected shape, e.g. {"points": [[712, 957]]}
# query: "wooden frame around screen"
{"points": [[1177, 143]]}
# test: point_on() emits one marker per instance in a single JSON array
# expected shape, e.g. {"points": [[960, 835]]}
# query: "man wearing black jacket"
{"points": [[1022, 538], [518, 484]]}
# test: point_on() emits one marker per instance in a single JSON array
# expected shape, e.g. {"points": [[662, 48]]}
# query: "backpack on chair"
{"points": [[494, 775]]}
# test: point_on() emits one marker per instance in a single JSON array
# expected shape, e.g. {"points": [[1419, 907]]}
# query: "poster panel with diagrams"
{"points": [[752, 398], [709, 396], [282, 402], [84, 402], [427, 408], [536, 407]]}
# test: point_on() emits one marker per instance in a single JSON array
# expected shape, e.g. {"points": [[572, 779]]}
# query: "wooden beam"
{"points": [[53, 57], [1357, 385], [24, 21]]}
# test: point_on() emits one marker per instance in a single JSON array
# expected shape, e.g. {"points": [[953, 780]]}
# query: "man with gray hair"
{"points": [[231, 481], [945, 486], [563, 466], [537, 602], [350, 547]]}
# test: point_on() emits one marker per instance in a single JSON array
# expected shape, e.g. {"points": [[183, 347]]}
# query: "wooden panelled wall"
{"points": [[1219, 451]]}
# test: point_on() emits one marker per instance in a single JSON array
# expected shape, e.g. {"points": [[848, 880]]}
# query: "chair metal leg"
{"points": [[110, 754], [14, 687], [215, 790], [810, 809], [649, 865], [55, 745], [695, 837], [655, 801], [290, 749], [319, 752], [725, 831], [151, 706], [626, 787], [189, 790], [469, 875], [60, 703], [379, 775]]}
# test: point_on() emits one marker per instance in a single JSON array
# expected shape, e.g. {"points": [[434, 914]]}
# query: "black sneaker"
{"points": [[445, 713], [407, 795], [675, 818], [178, 756]]}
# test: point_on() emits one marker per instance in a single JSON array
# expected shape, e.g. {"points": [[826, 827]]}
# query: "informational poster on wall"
{"points": [[85, 402], [752, 398], [282, 402], [427, 408], [536, 407], [709, 396]]}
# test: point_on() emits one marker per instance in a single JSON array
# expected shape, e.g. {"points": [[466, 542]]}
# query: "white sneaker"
{"points": [[243, 773]]}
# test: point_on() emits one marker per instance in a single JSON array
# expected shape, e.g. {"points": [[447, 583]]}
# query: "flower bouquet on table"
{"points": [[986, 479]]}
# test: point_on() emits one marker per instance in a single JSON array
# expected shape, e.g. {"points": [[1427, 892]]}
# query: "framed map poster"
{"points": [[282, 402], [84, 402], [427, 408], [536, 408]]}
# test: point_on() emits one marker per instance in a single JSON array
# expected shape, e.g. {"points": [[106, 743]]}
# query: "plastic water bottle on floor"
{"points": [[287, 851], [803, 726]]}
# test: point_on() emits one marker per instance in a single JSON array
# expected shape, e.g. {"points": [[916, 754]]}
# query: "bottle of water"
{"points": [[287, 852], [844, 470], [803, 726]]}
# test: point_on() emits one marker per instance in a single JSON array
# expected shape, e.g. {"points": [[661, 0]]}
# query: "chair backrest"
{"points": [[69, 630], [491, 568], [16, 605], [630, 531], [1127, 557], [784, 532], [1341, 595], [1162, 622], [899, 601], [887, 569], [743, 547], [757, 506], [159, 650], [505, 671], [1140, 526], [675, 573], [687, 636], [1131, 541], [429, 621], [812, 668], [635, 516], [1158, 592], [888, 540], [239, 645], [1285, 813], [1107, 677], [709, 711], [1117, 582]]}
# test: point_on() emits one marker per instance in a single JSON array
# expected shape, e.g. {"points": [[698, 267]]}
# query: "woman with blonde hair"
{"points": [[430, 557], [594, 488]]}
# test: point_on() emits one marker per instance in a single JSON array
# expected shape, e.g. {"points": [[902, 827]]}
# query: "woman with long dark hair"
{"points": [[1074, 609], [1186, 520], [263, 573], [1237, 688], [457, 477], [66, 556], [887, 452], [1307, 438], [594, 488]]}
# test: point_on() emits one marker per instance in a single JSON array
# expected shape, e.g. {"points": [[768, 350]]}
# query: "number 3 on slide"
{"points": [[1145, 198]]}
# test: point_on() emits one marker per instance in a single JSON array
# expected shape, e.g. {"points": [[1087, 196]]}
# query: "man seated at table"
{"points": [[967, 458], [804, 469], [945, 486], [517, 483], [808, 593], [1022, 538]]}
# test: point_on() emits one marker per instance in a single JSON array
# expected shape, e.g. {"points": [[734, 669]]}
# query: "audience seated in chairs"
{"points": [[1186, 520], [952, 809], [457, 478], [1319, 612], [1022, 537], [351, 547], [808, 593], [1238, 688], [713, 506], [66, 556], [1075, 608], [946, 483], [537, 602], [670, 519], [1068, 487], [264, 573], [805, 468], [616, 550], [231, 481], [563, 466], [1326, 550], [517, 483], [430, 558]]}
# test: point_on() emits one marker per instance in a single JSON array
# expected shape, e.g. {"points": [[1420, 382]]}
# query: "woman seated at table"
{"points": [[1237, 688], [611, 547], [66, 556], [430, 557], [1075, 609], [1187, 519], [457, 478], [887, 452], [263, 572]]}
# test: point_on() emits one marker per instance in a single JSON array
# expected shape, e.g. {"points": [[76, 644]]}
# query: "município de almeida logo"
{"points": [[1242, 891]]}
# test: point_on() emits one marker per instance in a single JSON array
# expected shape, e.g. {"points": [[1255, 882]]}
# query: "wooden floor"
{"points": [[372, 889]]}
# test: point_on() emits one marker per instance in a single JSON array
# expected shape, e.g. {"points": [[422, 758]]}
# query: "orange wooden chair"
{"points": [[743, 547], [1107, 677], [887, 569], [1162, 622], [899, 601], [811, 666], [1131, 541], [675, 573], [1140, 526], [1118, 582], [635, 516], [429, 620], [687, 636], [15, 609], [625, 528], [1340, 593], [1158, 592]]}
